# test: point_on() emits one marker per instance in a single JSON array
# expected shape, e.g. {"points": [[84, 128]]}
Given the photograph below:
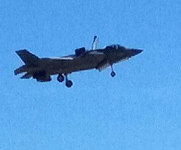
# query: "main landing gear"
{"points": [[112, 72], [68, 83], [60, 78]]}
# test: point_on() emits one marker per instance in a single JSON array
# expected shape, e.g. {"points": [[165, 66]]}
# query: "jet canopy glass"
{"points": [[115, 46]]}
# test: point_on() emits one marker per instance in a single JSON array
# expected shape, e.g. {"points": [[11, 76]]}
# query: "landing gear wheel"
{"points": [[68, 83], [60, 78], [113, 73]]}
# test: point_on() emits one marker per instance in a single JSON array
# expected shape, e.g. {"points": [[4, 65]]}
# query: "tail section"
{"points": [[27, 57]]}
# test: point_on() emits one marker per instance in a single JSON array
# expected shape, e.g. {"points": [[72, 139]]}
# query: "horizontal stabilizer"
{"points": [[27, 57], [20, 70], [26, 76]]}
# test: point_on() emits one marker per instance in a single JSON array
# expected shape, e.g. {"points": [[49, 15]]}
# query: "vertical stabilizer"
{"points": [[27, 57]]}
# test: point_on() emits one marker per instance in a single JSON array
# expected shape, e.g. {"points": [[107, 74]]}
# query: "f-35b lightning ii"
{"points": [[42, 68]]}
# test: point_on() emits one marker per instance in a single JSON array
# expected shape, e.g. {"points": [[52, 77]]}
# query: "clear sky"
{"points": [[138, 109]]}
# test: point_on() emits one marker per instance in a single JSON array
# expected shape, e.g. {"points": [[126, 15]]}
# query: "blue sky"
{"points": [[138, 109]]}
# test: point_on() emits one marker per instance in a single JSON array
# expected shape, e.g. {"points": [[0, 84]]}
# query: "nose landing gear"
{"points": [[112, 72]]}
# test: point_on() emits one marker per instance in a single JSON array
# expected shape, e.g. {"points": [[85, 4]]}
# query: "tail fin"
{"points": [[27, 57]]}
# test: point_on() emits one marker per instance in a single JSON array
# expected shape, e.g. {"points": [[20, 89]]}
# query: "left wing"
{"points": [[104, 63], [26, 76], [103, 66]]}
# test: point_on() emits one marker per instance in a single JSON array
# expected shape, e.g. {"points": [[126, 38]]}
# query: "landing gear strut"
{"points": [[112, 72], [61, 78], [68, 83]]}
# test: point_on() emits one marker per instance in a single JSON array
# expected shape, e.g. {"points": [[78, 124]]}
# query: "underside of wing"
{"points": [[26, 76], [103, 66]]}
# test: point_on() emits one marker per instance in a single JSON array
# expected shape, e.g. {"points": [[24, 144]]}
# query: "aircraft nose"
{"points": [[135, 51]]}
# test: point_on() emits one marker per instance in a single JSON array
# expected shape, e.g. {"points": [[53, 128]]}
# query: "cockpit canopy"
{"points": [[115, 46]]}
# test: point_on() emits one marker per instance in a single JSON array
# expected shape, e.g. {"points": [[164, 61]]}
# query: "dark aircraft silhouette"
{"points": [[42, 68]]}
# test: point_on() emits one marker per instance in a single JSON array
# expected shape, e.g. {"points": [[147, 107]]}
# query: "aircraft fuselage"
{"points": [[42, 68]]}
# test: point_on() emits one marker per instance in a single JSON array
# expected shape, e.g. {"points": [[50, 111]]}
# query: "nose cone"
{"points": [[134, 52]]}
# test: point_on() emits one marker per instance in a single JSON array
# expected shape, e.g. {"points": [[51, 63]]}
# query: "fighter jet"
{"points": [[41, 69]]}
